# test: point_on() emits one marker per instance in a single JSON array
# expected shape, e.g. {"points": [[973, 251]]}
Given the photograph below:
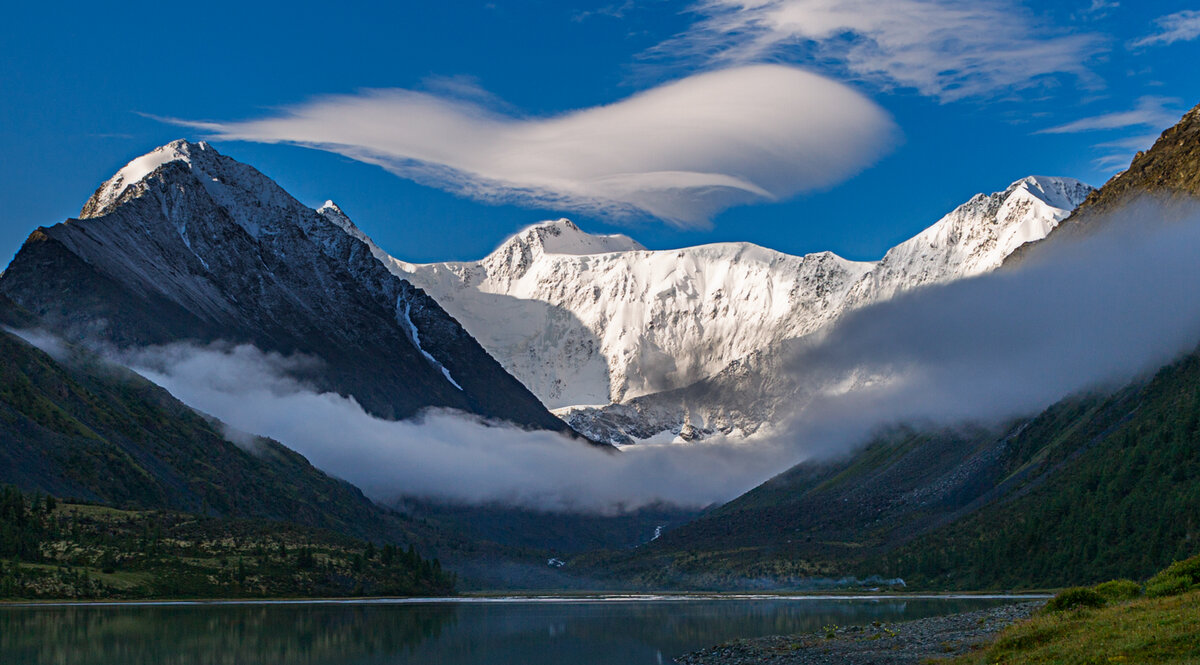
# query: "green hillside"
{"points": [[1119, 621], [1091, 489], [1123, 503]]}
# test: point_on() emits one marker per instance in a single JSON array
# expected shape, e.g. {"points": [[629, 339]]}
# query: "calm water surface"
{"points": [[530, 632]]}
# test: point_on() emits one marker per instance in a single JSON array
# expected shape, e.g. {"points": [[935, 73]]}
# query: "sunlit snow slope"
{"points": [[591, 320]]}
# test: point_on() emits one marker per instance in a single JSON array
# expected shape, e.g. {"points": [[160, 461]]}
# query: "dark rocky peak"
{"points": [[184, 244]]}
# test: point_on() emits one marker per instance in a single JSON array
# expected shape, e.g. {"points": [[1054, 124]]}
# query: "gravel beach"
{"points": [[905, 643]]}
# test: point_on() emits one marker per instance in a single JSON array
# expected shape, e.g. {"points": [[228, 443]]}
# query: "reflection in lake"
{"points": [[624, 632]]}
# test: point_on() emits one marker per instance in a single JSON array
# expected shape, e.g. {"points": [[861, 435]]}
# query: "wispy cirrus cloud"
{"points": [[1178, 27], [1120, 152], [681, 152], [1102, 6], [943, 48], [1148, 117], [1148, 112]]}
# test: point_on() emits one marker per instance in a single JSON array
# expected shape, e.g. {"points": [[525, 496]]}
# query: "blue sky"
{"points": [[915, 106]]}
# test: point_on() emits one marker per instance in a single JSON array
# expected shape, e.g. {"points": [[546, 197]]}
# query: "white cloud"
{"points": [[1119, 152], [446, 455], [681, 152], [943, 48], [1178, 27], [1100, 8]]}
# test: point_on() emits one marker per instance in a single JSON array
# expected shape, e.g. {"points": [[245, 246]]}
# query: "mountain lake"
{"points": [[582, 630]]}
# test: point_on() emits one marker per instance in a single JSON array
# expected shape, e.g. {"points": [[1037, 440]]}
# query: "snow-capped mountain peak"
{"points": [[585, 319], [333, 213], [581, 321], [1057, 192], [562, 236], [333, 210], [975, 237]]}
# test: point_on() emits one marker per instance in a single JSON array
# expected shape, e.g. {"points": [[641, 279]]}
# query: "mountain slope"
{"points": [[974, 238], [588, 320], [76, 427], [185, 244], [1095, 487], [1123, 501], [829, 519], [1169, 170]]}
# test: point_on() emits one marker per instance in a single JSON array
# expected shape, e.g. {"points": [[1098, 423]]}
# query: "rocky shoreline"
{"points": [[909, 642]]}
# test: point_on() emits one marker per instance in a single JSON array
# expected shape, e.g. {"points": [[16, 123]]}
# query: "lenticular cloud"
{"points": [[680, 152]]}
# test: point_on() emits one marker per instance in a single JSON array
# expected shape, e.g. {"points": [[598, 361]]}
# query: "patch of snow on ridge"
{"points": [[134, 172]]}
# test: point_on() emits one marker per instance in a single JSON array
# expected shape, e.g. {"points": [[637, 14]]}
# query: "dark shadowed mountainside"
{"points": [[88, 430], [187, 245]]}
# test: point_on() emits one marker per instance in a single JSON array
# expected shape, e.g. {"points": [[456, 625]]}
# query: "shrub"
{"points": [[1115, 591], [1167, 585], [1177, 578], [1075, 598]]}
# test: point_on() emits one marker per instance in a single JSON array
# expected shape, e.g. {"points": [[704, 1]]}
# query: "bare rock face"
{"points": [[187, 245]]}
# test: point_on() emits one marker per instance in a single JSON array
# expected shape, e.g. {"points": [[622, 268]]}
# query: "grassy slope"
{"points": [[1093, 488], [74, 427], [1109, 623], [1156, 630]]}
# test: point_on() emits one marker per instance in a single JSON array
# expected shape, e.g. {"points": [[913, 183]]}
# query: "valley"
{"points": [[578, 318], [601, 332]]}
